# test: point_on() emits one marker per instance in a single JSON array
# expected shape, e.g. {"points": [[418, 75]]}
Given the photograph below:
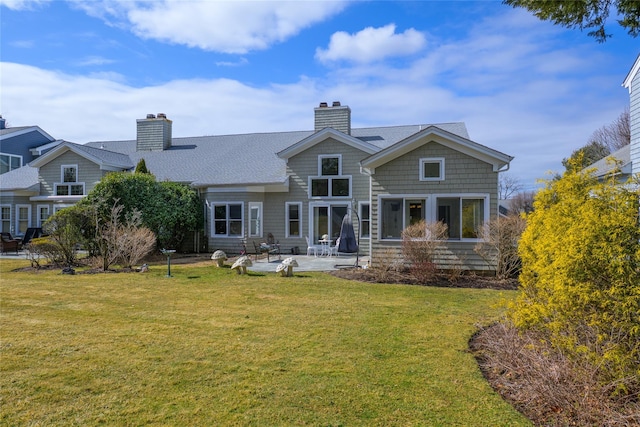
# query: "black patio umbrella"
{"points": [[347, 243]]}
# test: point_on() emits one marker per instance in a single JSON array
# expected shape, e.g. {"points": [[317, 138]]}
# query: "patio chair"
{"points": [[312, 248], [31, 233], [9, 243]]}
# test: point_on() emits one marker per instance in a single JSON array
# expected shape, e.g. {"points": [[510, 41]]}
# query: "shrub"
{"points": [[419, 244], [581, 273], [47, 248], [499, 245]]}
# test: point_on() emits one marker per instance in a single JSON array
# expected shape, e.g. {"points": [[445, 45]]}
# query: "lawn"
{"points": [[209, 347]]}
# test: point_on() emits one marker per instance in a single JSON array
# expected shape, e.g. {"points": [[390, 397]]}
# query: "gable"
{"points": [[495, 158], [323, 135], [105, 160]]}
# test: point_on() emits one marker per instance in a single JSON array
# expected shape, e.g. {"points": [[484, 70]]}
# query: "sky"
{"points": [[85, 70]]}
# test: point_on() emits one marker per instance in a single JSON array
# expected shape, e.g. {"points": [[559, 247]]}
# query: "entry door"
{"points": [[327, 219]]}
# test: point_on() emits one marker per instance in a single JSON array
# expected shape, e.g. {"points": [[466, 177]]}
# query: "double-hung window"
{"points": [[43, 214], [330, 182], [227, 219], [365, 220], [23, 218], [293, 215], [5, 217], [69, 185]]}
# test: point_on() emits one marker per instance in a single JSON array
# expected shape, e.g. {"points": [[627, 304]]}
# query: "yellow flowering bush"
{"points": [[580, 280]]}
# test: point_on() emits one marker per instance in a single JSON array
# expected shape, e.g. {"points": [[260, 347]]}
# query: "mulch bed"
{"points": [[444, 280]]}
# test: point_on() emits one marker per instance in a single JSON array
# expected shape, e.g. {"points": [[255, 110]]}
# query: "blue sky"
{"points": [[86, 70]]}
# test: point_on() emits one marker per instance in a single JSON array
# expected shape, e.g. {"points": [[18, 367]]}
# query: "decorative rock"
{"points": [[68, 270], [241, 264], [144, 268], [219, 257]]}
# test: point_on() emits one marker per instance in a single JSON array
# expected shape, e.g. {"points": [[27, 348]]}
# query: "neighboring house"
{"points": [[20, 145], [295, 184], [627, 159]]}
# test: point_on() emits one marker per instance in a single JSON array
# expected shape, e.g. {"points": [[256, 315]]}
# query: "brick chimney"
{"points": [[153, 133], [337, 117]]}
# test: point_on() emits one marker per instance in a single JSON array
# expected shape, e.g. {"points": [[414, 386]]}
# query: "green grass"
{"points": [[208, 347]]}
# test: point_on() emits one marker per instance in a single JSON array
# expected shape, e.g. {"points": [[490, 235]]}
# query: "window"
{"points": [[5, 217], [69, 185], [330, 165], [463, 216], [9, 162], [255, 219], [398, 214], [43, 214], [432, 169], [227, 219], [365, 220], [23, 218], [330, 182], [293, 219]]}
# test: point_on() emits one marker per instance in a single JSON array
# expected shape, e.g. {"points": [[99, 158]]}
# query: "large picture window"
{"points": [[463, 216], [398, 214], [227, 219]]}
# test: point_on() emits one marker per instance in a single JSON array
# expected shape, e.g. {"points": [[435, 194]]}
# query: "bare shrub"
{"points": [[385, 267], [547, 385], [125, 241], [44, 247], [499, 245], [419, 244], [135, 244]]}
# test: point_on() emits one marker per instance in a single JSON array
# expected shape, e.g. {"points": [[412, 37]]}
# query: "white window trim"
{"points": [[67, 184], [18, 219], [439, 160], [328, 204], [62, 168], [286, 219], [39, 220], [59, 206], [253, 205], [360, 205], [10, 220], [431, 210], [213, 220], [330, 178], [329, 156], [10, 155]]}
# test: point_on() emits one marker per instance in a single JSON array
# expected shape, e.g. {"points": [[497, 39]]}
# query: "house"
{"points": [[19, 146], [628, 157], [294, 184]]}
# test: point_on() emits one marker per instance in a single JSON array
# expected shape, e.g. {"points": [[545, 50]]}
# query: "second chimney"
{"points": [[153, 134], [337, 117]]}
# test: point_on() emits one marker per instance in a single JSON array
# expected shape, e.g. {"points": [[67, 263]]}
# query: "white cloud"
{"points": [[372, 44], [223, 26], [94, 60], [23, 4]]}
